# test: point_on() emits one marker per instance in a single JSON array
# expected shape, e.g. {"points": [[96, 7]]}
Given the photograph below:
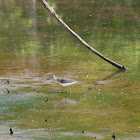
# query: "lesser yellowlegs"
{"points": [[63, 81]]}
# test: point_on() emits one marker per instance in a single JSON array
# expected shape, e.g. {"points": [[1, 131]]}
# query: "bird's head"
{"points": [[52, 77]]}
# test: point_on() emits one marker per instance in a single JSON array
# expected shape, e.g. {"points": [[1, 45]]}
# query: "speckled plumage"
{"points": [[63, 81]]}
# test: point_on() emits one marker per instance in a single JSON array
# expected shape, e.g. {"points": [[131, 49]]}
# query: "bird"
{"points": [[63, 81]]}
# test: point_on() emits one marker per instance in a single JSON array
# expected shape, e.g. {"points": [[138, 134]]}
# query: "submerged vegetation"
{"points": [[33, 46]]}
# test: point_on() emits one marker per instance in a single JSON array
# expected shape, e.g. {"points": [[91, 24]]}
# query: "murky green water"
{"points": [[34, 46]]}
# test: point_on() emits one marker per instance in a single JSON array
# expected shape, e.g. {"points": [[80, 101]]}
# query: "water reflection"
{"points": [[33, 45]]}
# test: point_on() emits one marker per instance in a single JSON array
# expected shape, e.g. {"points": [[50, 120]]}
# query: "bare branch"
{"points": [[51, 10]]}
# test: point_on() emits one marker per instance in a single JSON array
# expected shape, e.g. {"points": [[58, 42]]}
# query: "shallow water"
{"points": [[34, 46]]}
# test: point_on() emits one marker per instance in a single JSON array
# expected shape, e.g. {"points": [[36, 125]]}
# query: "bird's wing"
{"points": [[66, 80]]}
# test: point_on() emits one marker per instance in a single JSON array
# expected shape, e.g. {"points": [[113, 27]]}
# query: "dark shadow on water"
{"points": [[106, 79], [112, 75], [55, 92]]}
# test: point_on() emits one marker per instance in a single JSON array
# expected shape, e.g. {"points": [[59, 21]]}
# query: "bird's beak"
{"points": [[48, 78]]}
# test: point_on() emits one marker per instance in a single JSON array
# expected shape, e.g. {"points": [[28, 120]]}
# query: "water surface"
{"points": [[34, 46]]}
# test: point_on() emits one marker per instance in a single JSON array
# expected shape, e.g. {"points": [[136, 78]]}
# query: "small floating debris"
{"points": [[7, 82], [90, 87], [7, 90], [113, 136], [47, 100], [87, 134], [11, 131], [83, 131]]}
